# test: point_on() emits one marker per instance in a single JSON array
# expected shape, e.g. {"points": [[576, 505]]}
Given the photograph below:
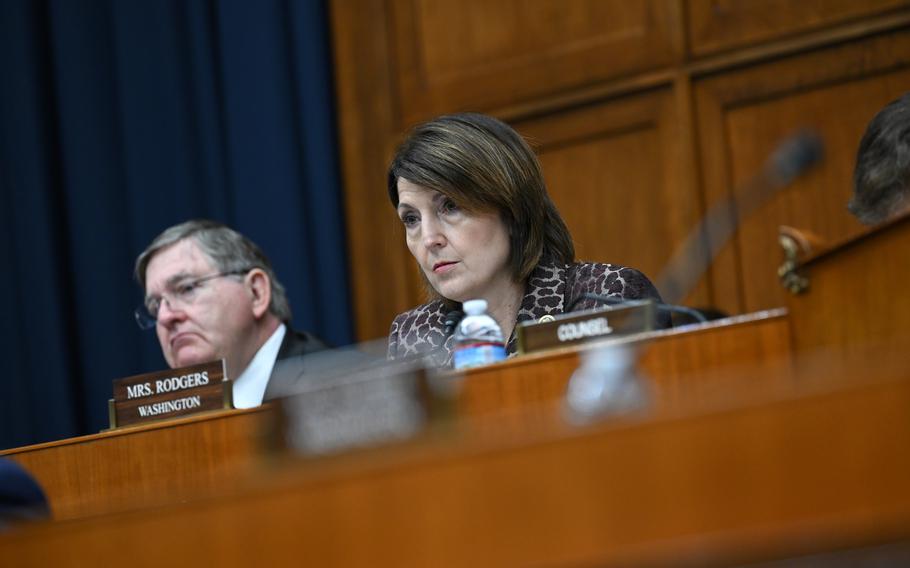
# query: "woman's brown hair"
{"points": [[483, 165]]}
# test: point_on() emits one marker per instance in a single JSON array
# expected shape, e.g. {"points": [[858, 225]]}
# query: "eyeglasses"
{"points": [[183, 293]]}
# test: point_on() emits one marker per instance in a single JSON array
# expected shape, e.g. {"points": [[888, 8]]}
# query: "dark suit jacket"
{"points": [[305, 361], [296, 343]]}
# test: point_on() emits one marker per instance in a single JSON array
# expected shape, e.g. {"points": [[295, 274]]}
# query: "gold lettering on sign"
{"points": [[169, 394], [167, 406]]}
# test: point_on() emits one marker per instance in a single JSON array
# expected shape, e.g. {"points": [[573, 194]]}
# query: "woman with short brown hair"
{"points": [[478, 220]]}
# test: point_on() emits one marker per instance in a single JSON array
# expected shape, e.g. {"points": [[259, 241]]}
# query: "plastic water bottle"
{"points": [[478, 338]]}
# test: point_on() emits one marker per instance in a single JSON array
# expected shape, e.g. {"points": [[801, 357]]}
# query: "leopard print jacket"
{"points": [[551, 289]]}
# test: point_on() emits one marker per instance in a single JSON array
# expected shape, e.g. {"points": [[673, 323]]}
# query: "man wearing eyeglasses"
{"points": [[211, 293]]}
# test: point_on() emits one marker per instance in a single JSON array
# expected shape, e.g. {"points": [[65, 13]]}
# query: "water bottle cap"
{"points": [[474, 307]]}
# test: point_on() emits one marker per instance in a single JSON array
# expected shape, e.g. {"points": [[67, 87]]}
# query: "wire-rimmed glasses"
{"points": [[181, 293]]}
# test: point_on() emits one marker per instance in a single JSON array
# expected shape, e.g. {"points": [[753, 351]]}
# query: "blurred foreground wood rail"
{"points": [[798, 469], [680, 364], [180, 459]]}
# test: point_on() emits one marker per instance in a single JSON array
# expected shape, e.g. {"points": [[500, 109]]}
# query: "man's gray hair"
{"points": [[227, 249]]}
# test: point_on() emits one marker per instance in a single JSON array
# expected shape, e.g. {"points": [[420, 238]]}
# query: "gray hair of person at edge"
{"points": [[482, 165], [881, 177], [226, 248]]}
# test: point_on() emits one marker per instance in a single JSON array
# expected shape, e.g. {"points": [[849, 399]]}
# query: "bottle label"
{"points": [[478, 354]]}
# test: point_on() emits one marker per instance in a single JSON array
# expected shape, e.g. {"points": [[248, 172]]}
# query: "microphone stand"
{"points": [[790, 159]]}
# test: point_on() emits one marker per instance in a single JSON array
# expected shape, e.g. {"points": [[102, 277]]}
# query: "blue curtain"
{"points": [[118, 119]]}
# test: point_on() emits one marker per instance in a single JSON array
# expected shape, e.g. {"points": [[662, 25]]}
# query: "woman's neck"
{"points": [[503, 304]]}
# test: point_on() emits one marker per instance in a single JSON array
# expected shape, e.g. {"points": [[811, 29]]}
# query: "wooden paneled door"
{"points": [[619, 172], [744, 114], [482, 54]]}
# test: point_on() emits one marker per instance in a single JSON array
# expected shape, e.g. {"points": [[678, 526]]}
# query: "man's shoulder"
{"points": [[305, 362], [296, 343]]}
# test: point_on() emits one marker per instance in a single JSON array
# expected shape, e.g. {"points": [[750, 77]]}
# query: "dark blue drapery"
{"points": [[118, 119]]}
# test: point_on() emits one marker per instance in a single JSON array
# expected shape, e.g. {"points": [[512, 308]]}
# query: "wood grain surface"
{"points": [[800, 469]]}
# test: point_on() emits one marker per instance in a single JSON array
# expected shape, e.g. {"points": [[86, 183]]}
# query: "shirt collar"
{"points": [[249, 388]]}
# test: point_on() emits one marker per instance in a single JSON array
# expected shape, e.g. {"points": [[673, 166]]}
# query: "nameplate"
{"points": [[169, 393], [379, 405], [590, 325]]}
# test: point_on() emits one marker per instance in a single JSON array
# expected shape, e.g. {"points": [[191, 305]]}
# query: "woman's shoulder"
{"points": [[424, 313], [412, 330], [609, 280], [615, 280]]}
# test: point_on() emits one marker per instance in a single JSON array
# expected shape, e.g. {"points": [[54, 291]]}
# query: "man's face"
{"points": [[218, 323]]}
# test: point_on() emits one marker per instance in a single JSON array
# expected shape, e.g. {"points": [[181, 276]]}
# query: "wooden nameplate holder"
{"points": [[170, 393]]}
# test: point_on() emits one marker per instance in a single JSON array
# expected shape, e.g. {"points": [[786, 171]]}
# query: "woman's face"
{"points": [[463, 255]]}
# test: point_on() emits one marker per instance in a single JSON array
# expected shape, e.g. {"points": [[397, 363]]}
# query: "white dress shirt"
{"points": [[249, 388]]}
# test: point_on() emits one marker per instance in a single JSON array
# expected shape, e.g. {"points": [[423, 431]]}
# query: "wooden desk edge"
{"points": [[854, 241], [128, 430]]}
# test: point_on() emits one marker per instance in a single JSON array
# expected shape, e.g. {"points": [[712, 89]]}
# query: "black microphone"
{"points": [[792, 157], [617, 300], [451, 321]]}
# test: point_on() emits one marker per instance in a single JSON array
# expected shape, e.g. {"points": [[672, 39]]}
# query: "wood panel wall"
{"points": [[643, 114]]}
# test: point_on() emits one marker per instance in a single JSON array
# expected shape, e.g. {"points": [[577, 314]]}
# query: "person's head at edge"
{"points": [[214, 293], [881, 178], [21, 496], [478, 219]]}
